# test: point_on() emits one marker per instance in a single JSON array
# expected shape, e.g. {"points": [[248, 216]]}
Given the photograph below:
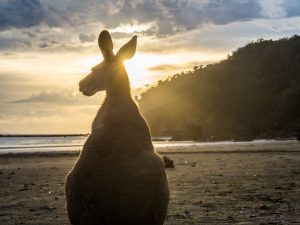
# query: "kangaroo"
{"points": [[118, 178]]}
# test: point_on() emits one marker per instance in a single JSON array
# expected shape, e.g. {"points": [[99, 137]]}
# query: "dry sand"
{"points": [[206, 188]]}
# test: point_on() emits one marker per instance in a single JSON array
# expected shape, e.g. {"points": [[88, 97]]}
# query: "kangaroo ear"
{"points": [[128, 50], [105, 45]]}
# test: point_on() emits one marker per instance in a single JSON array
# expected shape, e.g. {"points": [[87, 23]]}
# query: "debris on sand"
{"points": [[168, 162]]}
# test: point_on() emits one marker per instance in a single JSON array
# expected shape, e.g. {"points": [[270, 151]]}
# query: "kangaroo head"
{"points": [[110, 74]]}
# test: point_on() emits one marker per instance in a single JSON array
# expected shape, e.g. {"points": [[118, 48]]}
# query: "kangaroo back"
{"points": [[118, 178]]}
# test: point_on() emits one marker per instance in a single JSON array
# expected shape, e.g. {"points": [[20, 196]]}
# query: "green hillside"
{"points": [[254, 93]]}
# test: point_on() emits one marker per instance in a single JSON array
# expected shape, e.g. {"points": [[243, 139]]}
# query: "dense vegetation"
{"points": [[254, 93]]}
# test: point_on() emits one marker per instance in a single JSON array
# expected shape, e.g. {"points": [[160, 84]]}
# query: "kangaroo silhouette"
{"points": [[118, 178]]}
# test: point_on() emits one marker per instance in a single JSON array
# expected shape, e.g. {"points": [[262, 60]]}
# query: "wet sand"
{"points": [[206, 188]]}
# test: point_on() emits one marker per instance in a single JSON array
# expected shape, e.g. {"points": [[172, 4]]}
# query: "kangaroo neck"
{"points": [[114, 109], [119, 116]]}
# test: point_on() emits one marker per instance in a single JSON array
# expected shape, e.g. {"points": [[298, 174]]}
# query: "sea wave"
{"points": [[13, 145]]}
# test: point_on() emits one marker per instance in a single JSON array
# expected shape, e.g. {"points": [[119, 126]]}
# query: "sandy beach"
{"points": [[214, 187]]}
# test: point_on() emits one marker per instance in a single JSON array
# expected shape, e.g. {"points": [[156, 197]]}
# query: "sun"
{"points": [[138, 67]]}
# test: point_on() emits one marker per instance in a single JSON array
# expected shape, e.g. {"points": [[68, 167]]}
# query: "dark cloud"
{"points": [[27, 43], [77, 17], [87, 37], [8, 43], [223, 11], [20, 13], [30, 34], [29, 13], [170, 15], [292, 7], [43, 45]]}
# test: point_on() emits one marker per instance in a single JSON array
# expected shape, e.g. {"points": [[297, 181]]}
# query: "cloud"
{"points": [[16, 13], [173, 16], [179, 67], [87, 37], [61, 97], [12, 43], [120, 35], [184, 15], [29, 13], [41, 118], [43, 45], [35, 35], [280, 8], [166, 67], [35, 24], [49, 111], [169, 16], [292, 7]]}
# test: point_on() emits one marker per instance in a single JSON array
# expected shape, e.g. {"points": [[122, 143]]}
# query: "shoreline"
{"points": [[76, 153], [165, 148]]}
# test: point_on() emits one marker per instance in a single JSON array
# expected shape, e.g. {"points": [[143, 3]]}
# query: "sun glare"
{"points": [[141, 70], [137, 67]]}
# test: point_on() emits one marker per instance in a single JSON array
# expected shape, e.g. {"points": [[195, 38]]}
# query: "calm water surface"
{"points": [[74, 143]]}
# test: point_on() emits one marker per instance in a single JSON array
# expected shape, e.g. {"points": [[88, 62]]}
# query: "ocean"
{"points": [[32, 144], [29, 144]]}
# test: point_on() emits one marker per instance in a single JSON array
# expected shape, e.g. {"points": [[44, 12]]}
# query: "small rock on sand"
{"points": [[168, 162]]}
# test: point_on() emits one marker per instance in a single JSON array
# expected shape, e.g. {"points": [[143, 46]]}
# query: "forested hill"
{"points": [[254, 93]]}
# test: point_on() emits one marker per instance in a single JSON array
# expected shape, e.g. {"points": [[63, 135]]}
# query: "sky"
{"points": [[47, 47]]}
